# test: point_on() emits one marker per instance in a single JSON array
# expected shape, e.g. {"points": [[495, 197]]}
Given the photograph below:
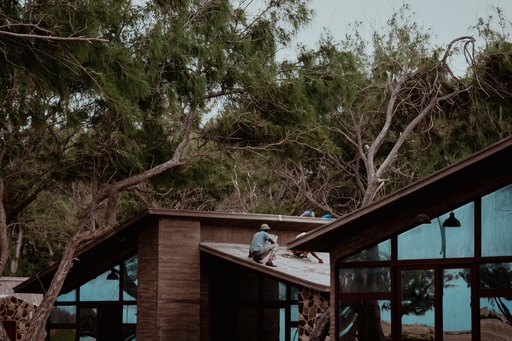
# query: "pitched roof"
{"points": [[309, 273], [432, 196], [100, 255]]}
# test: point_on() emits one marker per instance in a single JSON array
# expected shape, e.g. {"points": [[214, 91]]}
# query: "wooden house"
{"points": [[186, 275], [432, 261]]}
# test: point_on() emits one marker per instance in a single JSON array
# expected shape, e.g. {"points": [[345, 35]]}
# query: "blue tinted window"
{"points": [[456, 301], [496, 276], [493, 321], [130, 314], [69, 297], [131, 280], [100, 288], [381, 252], [434, 240], [63, 314], [365, 279], [497, 223]]}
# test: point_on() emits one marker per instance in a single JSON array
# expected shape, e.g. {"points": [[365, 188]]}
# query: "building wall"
{"points": [[333, 297], [16, 310], [147, 295], [312, 304], [205, 304], [243, 234], [169, 281], [175, 297]]}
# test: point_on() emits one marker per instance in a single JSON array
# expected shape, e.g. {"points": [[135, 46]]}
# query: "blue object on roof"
{"points": [[308, 213]]}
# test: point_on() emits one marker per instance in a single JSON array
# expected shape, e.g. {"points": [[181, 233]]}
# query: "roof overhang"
{"points": [[308, 273], [122, 242], [432, 196]]}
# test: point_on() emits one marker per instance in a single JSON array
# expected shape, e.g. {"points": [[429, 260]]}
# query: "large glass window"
{"points": [[364, 320], [436, 240], [367, 279], [496, 276], [417, 303], [68, 297], [433, 277], [495, 318], [456, 302], [57, 334], [88, 323], [97, 309], [382, 252], [497, 223], [101, 288], [364, 308], [63, 314]]}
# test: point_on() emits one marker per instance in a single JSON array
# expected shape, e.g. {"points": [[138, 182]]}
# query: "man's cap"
{"points": [[264, 227]]}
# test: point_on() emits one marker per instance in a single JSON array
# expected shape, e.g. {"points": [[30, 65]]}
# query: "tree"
{"points": [[404, 104], [110, 113]]}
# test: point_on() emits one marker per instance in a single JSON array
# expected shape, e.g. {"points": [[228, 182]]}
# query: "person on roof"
{"points": [[262, 245], [304, 254], [308, 213]]}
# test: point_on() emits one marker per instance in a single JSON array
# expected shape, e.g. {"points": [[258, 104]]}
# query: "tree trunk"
{"points": [[4, 244], [36, 329], [369, 327], [321, 328], [15, 259], [4, 247]]}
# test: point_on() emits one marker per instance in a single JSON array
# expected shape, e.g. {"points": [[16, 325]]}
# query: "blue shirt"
{"points": [[259, 240]]}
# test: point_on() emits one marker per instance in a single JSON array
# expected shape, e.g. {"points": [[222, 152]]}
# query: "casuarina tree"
{"points": [[105, 95]]}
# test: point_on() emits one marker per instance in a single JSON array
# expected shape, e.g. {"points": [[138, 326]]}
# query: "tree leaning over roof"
{"points": [[348, 125], [110, 94], [407, 97]]}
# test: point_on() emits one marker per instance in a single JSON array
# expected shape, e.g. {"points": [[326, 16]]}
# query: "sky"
{"points": [[447, 19]]}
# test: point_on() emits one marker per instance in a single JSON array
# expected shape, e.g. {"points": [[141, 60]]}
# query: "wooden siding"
{"points": [[205, 301], [147, 278], [243, 233], [169, 282]]}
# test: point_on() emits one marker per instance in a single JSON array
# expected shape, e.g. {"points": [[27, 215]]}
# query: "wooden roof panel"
{"points": [[309, 273]]}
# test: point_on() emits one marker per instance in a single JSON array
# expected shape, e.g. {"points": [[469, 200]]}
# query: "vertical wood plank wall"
{"points": [[173, 298], [147, 292], [169, 281], [243, 234]]}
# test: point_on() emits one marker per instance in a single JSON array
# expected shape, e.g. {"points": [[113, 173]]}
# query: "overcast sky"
{"points": [[448, 19]]}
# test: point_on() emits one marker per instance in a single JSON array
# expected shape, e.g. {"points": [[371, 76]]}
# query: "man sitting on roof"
{"points": [[262, 245]]}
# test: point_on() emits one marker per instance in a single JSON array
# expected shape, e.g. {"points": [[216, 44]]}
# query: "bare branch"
{"points": [[51, 37]]}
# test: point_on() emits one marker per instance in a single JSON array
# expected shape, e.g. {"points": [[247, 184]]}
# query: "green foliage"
{"points": [[79, 114], [97, 91], [64, 334]]}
